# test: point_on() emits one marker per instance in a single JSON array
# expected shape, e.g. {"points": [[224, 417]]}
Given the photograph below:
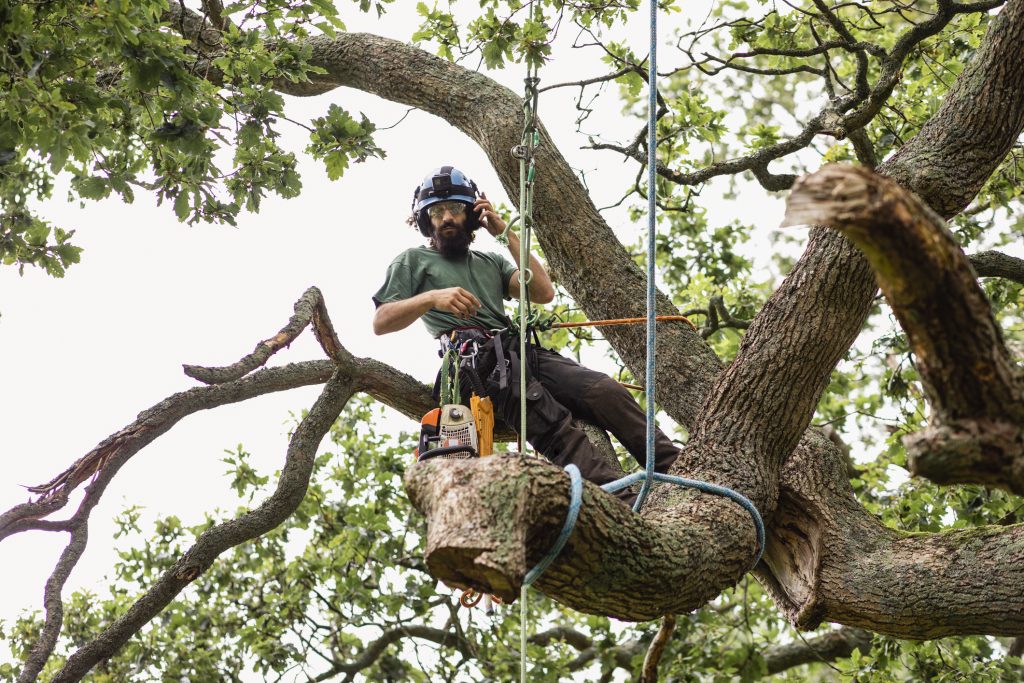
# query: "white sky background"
{"points": [[85, 354]]}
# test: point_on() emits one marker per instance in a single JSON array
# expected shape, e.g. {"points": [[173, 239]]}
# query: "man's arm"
{"points": [[541, 289], [397, 315]]}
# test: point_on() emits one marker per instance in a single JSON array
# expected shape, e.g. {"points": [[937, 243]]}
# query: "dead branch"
{"points": [[211, 543], [309, 308], [649, 672], [116, 449]]}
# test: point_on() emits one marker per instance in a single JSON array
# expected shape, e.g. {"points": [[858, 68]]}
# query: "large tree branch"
{"points": [[997, 264], [310, 308], [976, 433], [211, 543], [481, 512], [825, 648]]}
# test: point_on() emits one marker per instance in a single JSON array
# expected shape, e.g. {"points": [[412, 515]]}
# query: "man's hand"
{"points": [[397, 315], [491, 221], [456, 300]]}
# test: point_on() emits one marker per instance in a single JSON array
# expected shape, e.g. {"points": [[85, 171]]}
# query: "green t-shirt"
{"points": [[422, 269]]}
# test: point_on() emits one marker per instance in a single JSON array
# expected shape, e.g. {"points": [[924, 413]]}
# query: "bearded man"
{"points": [[458, 292]]}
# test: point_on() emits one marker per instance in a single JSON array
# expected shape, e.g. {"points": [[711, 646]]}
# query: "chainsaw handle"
{"points": [[447, 450]]}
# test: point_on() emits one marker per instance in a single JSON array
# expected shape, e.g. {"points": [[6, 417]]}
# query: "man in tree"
{"points": [[458, 292], [149, 95]]}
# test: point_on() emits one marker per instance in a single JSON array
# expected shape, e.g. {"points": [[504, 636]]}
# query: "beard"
{"points": [[453, 245]]}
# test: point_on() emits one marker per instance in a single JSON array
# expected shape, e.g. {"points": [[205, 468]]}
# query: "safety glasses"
{"points": [[438, 210]]}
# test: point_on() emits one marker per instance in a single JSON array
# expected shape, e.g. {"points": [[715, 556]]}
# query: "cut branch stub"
{"points": [[977, 430], [490, 520]]}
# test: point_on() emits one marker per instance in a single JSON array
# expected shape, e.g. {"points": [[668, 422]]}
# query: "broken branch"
{"points": [[977, 430]]}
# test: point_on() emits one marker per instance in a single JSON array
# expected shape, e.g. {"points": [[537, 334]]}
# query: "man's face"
{"points": [[450, 233]]}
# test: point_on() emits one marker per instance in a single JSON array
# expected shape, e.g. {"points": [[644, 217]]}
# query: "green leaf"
{"points": [[181, 206]]}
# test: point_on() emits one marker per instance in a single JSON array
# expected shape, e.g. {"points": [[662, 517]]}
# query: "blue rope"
{"points": [[648, 476], [715, 489], [575, 500], [652, 207]]}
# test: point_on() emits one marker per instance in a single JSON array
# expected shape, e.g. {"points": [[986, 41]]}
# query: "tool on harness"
{"points": [[457, 431], [452, 437]]}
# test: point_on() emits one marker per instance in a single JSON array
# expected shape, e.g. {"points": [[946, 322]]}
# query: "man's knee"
{"points": [[605, 394]]}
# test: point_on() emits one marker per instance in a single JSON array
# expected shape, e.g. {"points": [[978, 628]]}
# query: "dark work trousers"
{"points": [[558, 390]]}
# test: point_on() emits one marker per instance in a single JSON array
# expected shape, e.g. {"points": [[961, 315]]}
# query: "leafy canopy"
{"points": [[109, 96]]}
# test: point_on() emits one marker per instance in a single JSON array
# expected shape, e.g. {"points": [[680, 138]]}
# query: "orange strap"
{"points": [[471, 598], [626, 321]]}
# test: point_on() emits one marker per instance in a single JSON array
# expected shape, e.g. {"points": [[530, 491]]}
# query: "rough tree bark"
{"points": [[976, 434], [827, 557]]}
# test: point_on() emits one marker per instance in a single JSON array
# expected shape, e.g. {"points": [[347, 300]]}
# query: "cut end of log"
{"points": [[477, 513], [836, 194], [462, 567]]}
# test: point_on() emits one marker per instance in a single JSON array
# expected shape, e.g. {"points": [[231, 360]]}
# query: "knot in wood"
{"points": [[188, 573]]}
